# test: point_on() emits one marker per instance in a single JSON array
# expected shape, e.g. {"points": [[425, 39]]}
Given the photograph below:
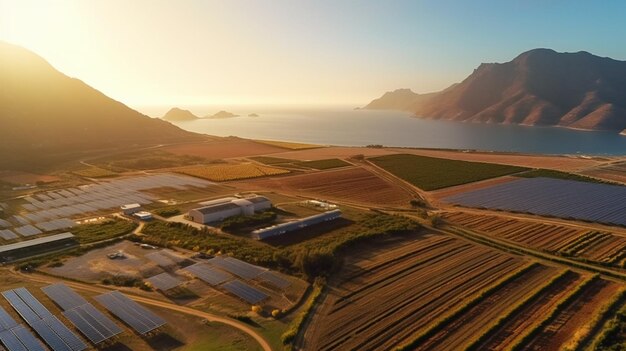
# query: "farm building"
{"points": [[283, 228], [129, 209], [220, 210], [143, 215], [37, 246]]}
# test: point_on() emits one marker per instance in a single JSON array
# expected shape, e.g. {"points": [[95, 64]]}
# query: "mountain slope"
{"points": [[539, 87], [177, 114], [44, 112]]}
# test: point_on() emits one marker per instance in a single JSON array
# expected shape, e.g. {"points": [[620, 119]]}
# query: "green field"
{"points": [[430, 173], [108, 229], [315, 164]]}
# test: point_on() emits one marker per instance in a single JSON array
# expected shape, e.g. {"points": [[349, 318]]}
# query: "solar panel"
{"points": [[5, 224], [11, 342], [136, 316], [6, 321], [92, 323], [63, 296], [275, 280], [7, 234], [20, 220], [164, 281], [245, 291], [51, 330], [552, 197], [27, 339], [30, 207], [239, 268], [27, 230], [88, 320], [207, 274], [160, 259]]}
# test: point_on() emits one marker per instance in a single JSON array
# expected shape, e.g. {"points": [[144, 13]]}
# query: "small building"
{"points": [[28, 248], [143, 215], [129, 209], [220, 209], [280, 229]]}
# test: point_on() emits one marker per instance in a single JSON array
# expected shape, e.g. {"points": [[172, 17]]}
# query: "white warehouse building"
{"points": [[220, 209]]}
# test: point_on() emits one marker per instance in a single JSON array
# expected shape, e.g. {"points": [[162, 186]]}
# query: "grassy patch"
{"points": [[268, 160], [168, 211], [323, 164], [108, 229], [550, 173], [296, 324], [430, 173]]}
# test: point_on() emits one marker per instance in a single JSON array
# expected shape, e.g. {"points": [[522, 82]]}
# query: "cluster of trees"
{"points": [[236, 223], [312, 258]]}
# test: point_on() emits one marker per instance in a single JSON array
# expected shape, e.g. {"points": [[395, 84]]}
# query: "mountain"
{"points": [[222, 114], [44, 113], [538, 87], [177, 114], [399, 99]]}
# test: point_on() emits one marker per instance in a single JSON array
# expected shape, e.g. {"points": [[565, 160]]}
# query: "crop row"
{"points": [[515, 310], [440, 323], [563, 303], [587, 246]]}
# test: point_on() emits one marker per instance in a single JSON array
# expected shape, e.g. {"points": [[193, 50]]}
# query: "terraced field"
{"points": [[599, 247], [384, 297]]}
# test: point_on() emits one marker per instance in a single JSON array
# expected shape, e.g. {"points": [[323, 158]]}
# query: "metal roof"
{"points": [[38, 241], [216, 208]]}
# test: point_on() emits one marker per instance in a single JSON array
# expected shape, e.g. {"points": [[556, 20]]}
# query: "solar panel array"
{"points": [[5, 224], [27, 230], [207, 274], [164, 281], [274, 279], [7, 234], [51, 330], [92, 323], [136, 316], [15, 337], [552, 197], [239, 268], [161, 259], [55, 224], [245, 291]]}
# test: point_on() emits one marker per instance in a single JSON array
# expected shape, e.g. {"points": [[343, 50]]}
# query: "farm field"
{"points": [[601, 203], [613, 172], [226, 172], [289, 145], [596, 246], [223, 148], [399, 288], [95, 172], [350, 184], [429, 173], [18, 177], [315, 164]]}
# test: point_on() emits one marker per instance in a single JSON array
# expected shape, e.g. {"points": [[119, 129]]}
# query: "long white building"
{"points": [[218, 210]]}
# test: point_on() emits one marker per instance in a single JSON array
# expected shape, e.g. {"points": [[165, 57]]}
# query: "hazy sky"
{"points": [[296, 52]]}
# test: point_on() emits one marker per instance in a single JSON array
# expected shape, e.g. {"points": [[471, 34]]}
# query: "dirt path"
{"points": [[186, 310]]}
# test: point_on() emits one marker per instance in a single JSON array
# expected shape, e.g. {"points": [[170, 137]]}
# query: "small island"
{"points": [[177, 114], [253, 115], [222, 114]]}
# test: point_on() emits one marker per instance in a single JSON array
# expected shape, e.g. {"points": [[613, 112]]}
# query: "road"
{"points": [[161, 304]]}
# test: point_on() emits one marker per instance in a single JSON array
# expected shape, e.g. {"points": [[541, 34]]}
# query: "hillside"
{"points": [[45, 113], [177, 114], [539, 87]]}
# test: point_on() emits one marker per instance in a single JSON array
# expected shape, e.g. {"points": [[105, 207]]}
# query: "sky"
{"points": [[291, 52]]}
